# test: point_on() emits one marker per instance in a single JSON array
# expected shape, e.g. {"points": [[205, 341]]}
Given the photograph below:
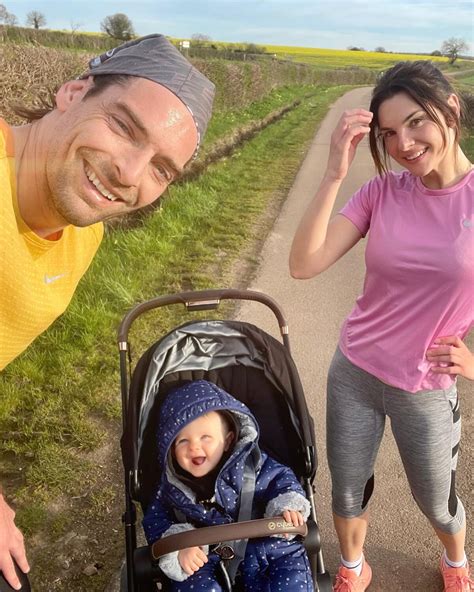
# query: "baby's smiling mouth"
{"points": [[198, 460]]}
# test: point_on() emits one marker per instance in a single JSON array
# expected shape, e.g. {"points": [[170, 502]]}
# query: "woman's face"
{"points": [[412, 139]]}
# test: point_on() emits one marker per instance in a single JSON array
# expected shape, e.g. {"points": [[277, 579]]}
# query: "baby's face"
{"points": [[200, 445]]}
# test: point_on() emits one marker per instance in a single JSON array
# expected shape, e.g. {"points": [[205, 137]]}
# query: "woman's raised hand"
{"points": [[352, 127]]}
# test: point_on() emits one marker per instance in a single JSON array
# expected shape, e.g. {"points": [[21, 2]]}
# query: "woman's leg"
{"points": [[355, 425], [351, 533], [427, 429]]}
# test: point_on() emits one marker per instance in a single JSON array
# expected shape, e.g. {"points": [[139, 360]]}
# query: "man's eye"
{"points": [[120, 124], [163, 172]]}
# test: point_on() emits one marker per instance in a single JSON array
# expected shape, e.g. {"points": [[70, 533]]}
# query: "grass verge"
{"points": [[59, 402]]}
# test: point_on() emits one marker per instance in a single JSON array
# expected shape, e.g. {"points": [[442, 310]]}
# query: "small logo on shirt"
{"points": [[467, 223], [49, 279]]}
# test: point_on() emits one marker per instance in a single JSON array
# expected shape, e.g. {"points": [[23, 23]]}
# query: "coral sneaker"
{"points": [[348, 581], [456, 579]]}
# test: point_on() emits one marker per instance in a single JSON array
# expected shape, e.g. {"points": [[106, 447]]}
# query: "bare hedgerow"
{"points": [[29, 75]]}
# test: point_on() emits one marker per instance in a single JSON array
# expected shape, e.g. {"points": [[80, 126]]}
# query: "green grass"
{"points": [[61, 397], [467, 144]]}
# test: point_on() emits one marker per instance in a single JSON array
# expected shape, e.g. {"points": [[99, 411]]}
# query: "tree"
{"points": [[200, 37], [452, 47], [436, 52], [35, 19], [118, 26], [380, 49], [11, 20], [6, 17], [75, 26]]}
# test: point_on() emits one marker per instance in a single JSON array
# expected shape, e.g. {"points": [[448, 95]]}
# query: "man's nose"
{"points": [[131, 165]]}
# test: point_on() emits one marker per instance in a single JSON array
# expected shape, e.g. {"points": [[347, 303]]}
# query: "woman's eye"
{"points": [[386, 134], [416, 122]]}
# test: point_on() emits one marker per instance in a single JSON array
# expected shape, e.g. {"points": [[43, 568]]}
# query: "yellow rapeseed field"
{"points": [[337, 58]]}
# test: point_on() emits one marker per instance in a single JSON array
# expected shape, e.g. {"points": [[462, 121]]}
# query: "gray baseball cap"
{"points": [[155, 58]]}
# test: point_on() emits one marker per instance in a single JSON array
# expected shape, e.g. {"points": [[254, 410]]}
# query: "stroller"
{"points": [[259, 371]]}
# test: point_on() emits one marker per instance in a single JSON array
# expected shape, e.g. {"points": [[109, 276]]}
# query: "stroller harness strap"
{"points": [[245, 511]]}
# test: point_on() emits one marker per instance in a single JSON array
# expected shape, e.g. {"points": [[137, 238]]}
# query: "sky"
{"points": [[397, 25]]}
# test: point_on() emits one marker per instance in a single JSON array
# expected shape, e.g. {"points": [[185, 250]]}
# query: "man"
{"points": [[114, 141]]}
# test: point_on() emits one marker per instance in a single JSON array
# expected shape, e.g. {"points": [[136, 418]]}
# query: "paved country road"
{"points": [[401, 548]]}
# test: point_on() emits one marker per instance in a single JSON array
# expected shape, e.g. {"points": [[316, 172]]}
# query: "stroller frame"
{"points": [[141, 563]]}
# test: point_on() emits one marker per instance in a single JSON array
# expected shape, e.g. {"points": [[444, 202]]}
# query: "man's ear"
{"points": [[71, 92]]}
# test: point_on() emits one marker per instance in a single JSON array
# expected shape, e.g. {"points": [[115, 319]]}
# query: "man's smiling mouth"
{"points": [[98, 185]]}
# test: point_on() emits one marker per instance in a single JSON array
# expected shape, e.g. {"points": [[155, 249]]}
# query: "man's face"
{"points": [[117, 151]]}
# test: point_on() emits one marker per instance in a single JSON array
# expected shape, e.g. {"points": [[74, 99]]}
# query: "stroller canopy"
{"points": [[240, 358]]}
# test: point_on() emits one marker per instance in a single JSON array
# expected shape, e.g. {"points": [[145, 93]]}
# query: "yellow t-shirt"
{"points": [[37, 276]]}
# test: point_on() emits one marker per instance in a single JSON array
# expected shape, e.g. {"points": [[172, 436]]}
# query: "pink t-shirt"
{"points": [[419, 280]]}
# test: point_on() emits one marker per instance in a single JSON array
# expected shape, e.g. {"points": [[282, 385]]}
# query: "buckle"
{"points": [[225, 552]]}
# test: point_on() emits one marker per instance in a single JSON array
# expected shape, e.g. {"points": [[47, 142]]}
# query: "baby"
{"points": [[205, 438]]}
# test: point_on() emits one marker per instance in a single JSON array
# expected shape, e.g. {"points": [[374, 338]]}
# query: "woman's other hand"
{"points": [[453, 354]]}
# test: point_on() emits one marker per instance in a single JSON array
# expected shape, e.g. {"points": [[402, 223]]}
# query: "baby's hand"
{"points": [[192, 559], [294, 517]]}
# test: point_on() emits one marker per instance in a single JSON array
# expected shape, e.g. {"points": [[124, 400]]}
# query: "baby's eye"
{"points": [[181, 441]]}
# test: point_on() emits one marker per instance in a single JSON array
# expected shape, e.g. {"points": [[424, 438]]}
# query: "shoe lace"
{"points": [[458, 583], [343, 584]]}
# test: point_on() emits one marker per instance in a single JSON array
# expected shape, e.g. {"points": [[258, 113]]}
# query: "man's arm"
{"points": [[11, 545]]}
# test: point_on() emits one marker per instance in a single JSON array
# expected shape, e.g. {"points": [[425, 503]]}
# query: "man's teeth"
{"points": [[413, 156], [98, 185]]}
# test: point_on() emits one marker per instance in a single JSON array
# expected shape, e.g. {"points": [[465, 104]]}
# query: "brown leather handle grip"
{"points": [[210, 535]]}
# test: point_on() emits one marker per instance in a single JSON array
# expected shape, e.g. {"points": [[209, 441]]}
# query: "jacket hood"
{"points": [[186, 403]]}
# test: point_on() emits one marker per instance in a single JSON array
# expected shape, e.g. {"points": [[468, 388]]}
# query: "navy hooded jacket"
{"points": [[277, 489]]}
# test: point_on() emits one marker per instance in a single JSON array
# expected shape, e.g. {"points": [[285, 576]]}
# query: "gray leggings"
{"points": [[426, 426]]}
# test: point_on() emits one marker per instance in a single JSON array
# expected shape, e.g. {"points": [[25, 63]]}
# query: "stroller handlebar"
{"points": [[222, 533], [200, 300]]}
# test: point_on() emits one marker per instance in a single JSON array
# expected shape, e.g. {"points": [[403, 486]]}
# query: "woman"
{"points": [[401, 347]]}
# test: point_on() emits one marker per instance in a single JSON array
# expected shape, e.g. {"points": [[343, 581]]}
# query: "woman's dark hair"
{"points": [[425, 84], [46, 104]]}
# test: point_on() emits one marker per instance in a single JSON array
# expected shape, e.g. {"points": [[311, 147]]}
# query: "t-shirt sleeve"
{"points": [[360, 206]]}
